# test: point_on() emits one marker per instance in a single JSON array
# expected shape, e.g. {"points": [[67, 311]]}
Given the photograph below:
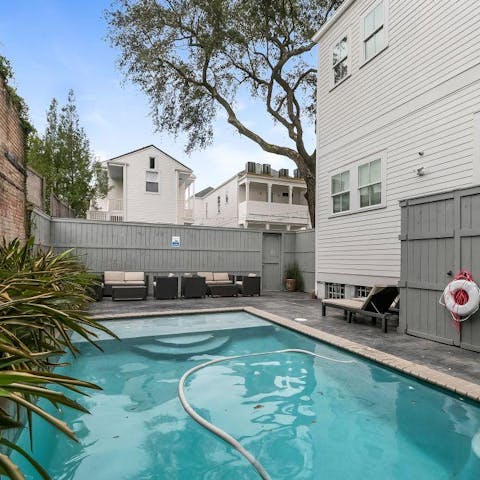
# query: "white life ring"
{"points": [[473, 293]]}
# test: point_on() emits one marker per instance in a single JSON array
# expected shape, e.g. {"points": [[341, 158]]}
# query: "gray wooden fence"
{"points": [[439, 234], [148, 247]]}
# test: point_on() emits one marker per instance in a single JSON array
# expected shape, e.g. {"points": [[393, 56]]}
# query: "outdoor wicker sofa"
{"points": [[221, 284], [119, 278], [376, 306]]}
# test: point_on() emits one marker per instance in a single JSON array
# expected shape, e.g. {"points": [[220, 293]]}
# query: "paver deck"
{"points": [[446, 359]]}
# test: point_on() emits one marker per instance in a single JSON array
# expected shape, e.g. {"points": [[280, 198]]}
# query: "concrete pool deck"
{"points": [[444, 365]]}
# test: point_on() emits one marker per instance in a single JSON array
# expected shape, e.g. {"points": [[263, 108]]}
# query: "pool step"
{"points": [[181, 349], [180, 340]]}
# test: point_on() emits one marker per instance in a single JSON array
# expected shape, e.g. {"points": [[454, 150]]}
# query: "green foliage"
{"points": [[63, 157], [193, 57], [293, 271], [42, 300], [6, 74]]}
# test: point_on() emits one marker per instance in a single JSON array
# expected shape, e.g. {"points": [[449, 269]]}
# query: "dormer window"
{"points": [[152, 163], [340, 60], [374, 35]]}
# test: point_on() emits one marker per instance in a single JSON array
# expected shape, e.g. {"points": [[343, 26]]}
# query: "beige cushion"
{"points": [[187, 274], [345, 302], [134, 282], [170, 275], [208, 275], [117, 282], [217, 282], [222, 276], [114, 277], [239, 283], [134, 276], [252, 274]]}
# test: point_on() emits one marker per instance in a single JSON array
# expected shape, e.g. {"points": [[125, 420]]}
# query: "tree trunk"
{"points": [[310, 196]]}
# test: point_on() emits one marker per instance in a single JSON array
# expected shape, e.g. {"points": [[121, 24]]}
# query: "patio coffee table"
{"points": [[129, 292], [226, 290]]}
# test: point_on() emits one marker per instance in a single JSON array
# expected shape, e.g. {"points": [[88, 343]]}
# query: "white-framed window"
{"points": [[218, 204], [334, 290], [340, 60], [374, 28], [341, 192], [151, 181], [370, 183], [361, 291]]}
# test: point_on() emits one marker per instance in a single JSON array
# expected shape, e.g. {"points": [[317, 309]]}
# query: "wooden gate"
{"points": [[440, 235]]}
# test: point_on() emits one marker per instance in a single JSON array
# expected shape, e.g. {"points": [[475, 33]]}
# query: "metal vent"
{"points": [[283, 172], [266, 169], [297, 174], [250, 167]]}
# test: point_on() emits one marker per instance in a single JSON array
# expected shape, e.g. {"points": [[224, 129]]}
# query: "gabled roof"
{"points": [[203, 192], [149, 146]]}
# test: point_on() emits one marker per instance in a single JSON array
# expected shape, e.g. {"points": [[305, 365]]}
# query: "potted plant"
{"points": [[293, 278]]}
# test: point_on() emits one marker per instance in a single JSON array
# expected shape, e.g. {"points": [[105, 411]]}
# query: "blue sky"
{"points": [[55, 45]]}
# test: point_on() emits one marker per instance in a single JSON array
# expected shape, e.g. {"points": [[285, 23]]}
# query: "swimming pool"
{"points": [[330, 416]]}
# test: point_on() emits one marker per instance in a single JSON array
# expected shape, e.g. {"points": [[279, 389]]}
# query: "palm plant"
{"points": [[42, 301]]}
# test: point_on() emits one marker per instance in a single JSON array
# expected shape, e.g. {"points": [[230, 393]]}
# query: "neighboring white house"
{"points": [[257, 197], [398, 116], [146, 185]]}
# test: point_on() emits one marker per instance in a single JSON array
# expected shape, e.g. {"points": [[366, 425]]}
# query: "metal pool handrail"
{"points": [[218, 431]]}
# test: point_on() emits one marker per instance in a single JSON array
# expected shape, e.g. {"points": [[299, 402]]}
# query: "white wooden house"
{"points": [[146, 185], [398, 116], [257, 197]]}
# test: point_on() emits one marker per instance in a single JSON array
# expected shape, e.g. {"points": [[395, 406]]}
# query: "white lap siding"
{"points": [[421, 94]]}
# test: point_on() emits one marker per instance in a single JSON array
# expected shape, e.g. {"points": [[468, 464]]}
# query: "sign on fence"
{"points": [[175, 242]]}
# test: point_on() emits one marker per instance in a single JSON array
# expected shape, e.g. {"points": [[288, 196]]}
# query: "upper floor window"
{"points": [[152, 163], [218, 204], [341, 192], [340, 60], [226, 198], [151, 182], [206, 210], [370, 183], [374, 37]]}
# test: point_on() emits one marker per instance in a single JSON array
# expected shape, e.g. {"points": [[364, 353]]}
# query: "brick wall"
{"points": [[12, 171]]}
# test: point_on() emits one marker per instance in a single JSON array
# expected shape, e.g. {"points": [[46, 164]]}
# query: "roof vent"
{"points": [[266, 169], [283, 172], [250, 167], [297, 174]]}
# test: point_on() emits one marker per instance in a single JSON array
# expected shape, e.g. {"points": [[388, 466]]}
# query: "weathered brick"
{"points": [[12, 173]]}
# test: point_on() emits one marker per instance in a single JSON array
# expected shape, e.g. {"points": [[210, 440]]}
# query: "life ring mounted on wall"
{"points": [[461, 297]]}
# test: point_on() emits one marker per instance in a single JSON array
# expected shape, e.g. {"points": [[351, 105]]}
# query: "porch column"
{"points": [[267, 226], [269, 192], [290, 194], [247, 191], [288, 228]]}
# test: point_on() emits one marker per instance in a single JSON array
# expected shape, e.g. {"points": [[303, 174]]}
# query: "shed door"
{"points": [[271, 259]]}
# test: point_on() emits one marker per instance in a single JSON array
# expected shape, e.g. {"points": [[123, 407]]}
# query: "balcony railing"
{"points": [[273, 212]]}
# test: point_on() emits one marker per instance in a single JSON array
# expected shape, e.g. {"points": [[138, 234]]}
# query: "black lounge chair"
{"points": [[165, 287], [193, 287], [376, 305]]}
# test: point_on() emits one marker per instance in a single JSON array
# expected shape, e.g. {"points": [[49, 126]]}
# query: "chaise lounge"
{"points": [[113, 279], [376, 305]]}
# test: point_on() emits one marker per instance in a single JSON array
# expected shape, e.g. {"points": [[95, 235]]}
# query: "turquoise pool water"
{"points": [[302, 417]]}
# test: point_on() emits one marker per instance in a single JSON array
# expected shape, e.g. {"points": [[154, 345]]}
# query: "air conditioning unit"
{"points": [[250, 167], [266, 169], [283, 172], [297, 174]]}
